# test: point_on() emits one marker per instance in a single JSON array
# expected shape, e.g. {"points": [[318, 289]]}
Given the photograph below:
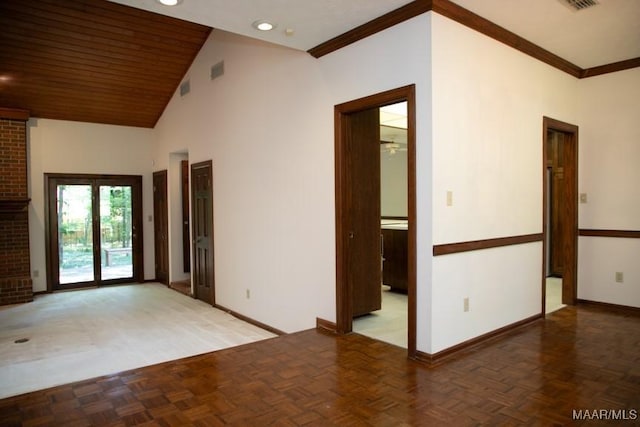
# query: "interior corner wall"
{"points": [[488, 105], [609, 154], [267, 126], [57, 146]]}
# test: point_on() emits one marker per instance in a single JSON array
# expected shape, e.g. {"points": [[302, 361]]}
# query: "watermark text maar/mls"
{"points": [[605, 414]]}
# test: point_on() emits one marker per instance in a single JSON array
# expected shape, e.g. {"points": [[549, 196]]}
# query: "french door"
{"points": [[94, 230]]}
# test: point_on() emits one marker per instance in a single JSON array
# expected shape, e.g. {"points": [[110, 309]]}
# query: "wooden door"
{"points": [[186, 240], [561, 229], [364, 269], [161, 226], [202, 204], [555, 163]]}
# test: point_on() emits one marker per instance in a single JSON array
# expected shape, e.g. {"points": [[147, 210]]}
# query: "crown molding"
{"points": [[469, 19]]}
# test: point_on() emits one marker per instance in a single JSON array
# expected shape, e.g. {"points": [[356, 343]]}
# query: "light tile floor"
{"points": [[78, 335], [390, 323], [553, 298]]}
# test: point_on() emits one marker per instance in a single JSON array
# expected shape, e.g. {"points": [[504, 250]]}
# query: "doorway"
{"points": [[202, 221], [358, 209], [94, 230], [560, 216]]}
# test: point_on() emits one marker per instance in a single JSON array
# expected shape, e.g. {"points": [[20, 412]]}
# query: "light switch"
{"points": [[449, 198], [583, 197]]}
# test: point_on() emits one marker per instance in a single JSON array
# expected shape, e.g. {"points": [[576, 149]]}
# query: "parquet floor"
{"points": [[583, 358]]}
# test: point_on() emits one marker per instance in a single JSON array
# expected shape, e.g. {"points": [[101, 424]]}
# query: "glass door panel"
{"points": [[116, 232], [75, 233]]}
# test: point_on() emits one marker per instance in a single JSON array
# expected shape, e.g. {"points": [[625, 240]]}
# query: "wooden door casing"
{"points": [[567, 211], [161, 226], [344, 309], [202, 222]]}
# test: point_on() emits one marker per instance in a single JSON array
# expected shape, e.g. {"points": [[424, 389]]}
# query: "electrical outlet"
{"points": [[36, 273], [248, 294], [466, 304], [449, 198], [619, 277]]}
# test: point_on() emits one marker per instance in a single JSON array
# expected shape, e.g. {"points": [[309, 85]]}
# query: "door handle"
{"points": [[352, 234]]}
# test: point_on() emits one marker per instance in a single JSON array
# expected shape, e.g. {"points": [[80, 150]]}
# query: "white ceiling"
{"points": [[605, 33]]}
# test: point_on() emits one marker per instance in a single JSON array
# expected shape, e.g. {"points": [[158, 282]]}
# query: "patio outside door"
{"points": [[94, 227]]}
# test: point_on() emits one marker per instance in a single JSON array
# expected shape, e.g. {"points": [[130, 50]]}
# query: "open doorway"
{"points": [[560, 148], [389, 323], [360, 145]]}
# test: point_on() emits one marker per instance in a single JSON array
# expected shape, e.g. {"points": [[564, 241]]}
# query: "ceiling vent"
{"points": [[579, 4], [217, 70], [185, 87]]}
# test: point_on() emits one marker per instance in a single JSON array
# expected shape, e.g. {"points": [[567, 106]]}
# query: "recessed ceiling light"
{"points": [[263, 25], [169, 2]]}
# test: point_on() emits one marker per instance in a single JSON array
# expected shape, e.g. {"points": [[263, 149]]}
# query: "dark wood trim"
{"points": [[627, 234], [250, 320], [434, 359], [325, 325], [476, 22], [14, 114], [469, 19], [395, 217], [610, 68], [615, 307], [344, 310], [41, 293], [475, 245], [381, 23]]}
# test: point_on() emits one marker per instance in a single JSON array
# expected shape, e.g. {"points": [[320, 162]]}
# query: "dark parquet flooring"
{"points": [[583, 358]]}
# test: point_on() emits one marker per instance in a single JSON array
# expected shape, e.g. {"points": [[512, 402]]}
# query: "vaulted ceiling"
{"points": [[120, 61], [92, 60]]}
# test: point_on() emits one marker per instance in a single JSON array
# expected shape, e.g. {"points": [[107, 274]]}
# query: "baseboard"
{"points": [[436, 358], [327, 326], [617, 307], [250, 320]]}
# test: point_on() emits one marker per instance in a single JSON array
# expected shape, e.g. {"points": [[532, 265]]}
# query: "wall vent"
{"points": [[579, 4], [217, 70], [185, 87]]}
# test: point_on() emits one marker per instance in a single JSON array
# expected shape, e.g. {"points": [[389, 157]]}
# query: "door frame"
{"points": [[51, 180], [344, 307], [569, 213]]}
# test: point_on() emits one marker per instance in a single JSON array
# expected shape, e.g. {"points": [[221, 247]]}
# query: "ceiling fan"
{"points": [[392, 147]]}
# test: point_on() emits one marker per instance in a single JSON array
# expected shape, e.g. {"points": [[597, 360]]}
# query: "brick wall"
{"points": [[15, 276]]}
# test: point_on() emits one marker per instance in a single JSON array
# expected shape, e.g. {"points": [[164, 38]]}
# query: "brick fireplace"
{"points": [[15, 271]]}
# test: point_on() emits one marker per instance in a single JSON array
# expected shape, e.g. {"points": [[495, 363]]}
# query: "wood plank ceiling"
{"points": [[92, 60]]}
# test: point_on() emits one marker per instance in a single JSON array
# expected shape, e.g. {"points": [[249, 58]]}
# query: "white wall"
{"points": [[393, 183], [488, 105], [267, 125], [57, 146], [609, 154]]}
